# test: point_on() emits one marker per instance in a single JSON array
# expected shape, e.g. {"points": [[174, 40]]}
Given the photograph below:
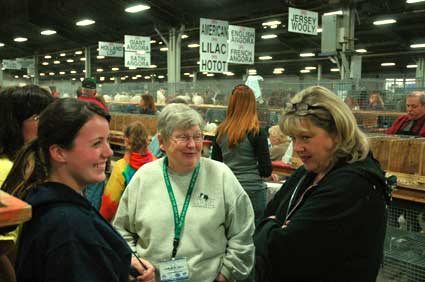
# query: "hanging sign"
{"points": [[302, 21], [137, 51], [213, 50], [110, 49], [241, 45], [26, 63], [11, 65]]}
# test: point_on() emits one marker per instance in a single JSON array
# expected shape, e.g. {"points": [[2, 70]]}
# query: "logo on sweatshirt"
{"points": [[204, 200]]}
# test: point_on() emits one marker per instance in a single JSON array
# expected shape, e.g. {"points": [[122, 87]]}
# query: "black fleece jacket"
{"points": [[67, 240], [335, 233]]}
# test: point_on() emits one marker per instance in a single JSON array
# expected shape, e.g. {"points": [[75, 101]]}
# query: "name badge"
{"points": [[174, 270]]}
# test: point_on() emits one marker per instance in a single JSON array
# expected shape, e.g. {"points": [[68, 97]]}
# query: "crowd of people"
{"points": [[170, 214]]}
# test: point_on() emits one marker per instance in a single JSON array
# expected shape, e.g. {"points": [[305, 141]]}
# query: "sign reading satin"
{"points": [[302, 21]]}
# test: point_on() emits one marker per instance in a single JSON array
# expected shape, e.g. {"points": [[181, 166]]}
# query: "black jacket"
{"points": [[335, 233], [67, 240]]}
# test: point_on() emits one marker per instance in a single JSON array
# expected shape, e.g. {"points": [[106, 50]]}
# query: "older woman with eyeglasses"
{"points": [[187, 215], [327, 222]]}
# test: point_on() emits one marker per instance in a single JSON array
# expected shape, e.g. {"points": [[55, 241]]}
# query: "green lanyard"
{"points": [[178, 220]]}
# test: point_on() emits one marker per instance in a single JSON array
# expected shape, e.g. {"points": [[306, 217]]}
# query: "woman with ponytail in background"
{"points": [[67, 239]]}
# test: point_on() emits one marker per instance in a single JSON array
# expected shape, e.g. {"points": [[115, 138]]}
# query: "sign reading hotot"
{"points": [[110, 49], [241, 45], [213, 49], [302, 21]]}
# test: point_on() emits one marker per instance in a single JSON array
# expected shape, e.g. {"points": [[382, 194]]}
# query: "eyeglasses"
{"points": [[183, 138], [301, 108]]}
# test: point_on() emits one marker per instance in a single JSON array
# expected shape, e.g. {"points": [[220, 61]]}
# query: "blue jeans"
{"points": [[259, 201]]}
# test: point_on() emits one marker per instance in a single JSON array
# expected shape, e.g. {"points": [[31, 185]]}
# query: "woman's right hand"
{"points": [[146, 274]]}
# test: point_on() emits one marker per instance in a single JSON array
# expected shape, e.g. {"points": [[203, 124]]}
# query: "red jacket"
{"points": [[94, 100], [418, 128]]}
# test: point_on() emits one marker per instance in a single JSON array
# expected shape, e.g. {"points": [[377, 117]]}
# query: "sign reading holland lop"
{"points": [[26, 63], [241, 45], [213, 49], [302, 21], [11, 64], [137, 51], [110, 49]]}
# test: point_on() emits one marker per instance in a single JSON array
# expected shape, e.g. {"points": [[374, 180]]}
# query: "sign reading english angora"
{"points": [[302, 21], [241, 45], [213, 50]]}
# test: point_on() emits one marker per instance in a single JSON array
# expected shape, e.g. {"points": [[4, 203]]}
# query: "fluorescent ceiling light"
{"points": [[187, 73], [386, 21], [147, 77], [339, 12], [20, 39], [73, 71], [279, 69], [137, 8], [277, 72], [84, 71], [161, 76], [1, 44], [319, 29], [153, 66], [85, 22], [115, 69], [132, 68], [45, 63], [81, 79], [70, 60], [61, 72], [56, 62], [42, 74], [304, 71], [388, 64], [184, 36], [361, 50], [160, 42], [163, 49], [99, 70], [193, 45], [307, 55], [47, 57], [272, 23], [102, 78], [310, 68], [82, 59], [78, 52], [414, 1], [48, 32], [334, 69], [74, 78], [100, 57], [16, 76], [192, 75], [264, 58], [62, 54], [421, 45], [268, 36], [51, 73], [229, 73], [153, 41], [210, 74], [412, 66]]}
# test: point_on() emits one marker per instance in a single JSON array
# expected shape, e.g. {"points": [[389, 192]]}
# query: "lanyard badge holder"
{"points": [[176, 269]]}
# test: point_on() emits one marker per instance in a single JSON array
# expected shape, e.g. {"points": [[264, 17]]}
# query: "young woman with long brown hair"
{"points": [[242, 145]]}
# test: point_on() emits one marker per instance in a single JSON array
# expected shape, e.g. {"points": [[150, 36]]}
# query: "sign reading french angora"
{"points": [[302, 21], [213, 49], [241, 45]]}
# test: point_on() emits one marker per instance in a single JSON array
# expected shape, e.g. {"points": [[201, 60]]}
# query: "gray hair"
{"points": [[178, 116], [329, 112], [420, 94]]}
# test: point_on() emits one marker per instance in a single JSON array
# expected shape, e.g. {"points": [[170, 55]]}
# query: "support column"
{"points": [[346, 38], [36, 79], [420, 72], [319, 72], [87, 63], [1, 76]]}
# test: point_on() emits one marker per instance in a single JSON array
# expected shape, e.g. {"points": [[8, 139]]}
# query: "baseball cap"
{"points": [[89, 82]]}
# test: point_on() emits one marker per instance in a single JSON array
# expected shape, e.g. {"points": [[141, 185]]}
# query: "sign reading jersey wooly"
{"points": [[302, 21]]}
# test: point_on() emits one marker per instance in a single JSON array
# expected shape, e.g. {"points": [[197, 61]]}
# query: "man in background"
{"points": [[412, 123], [88, 92]]}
